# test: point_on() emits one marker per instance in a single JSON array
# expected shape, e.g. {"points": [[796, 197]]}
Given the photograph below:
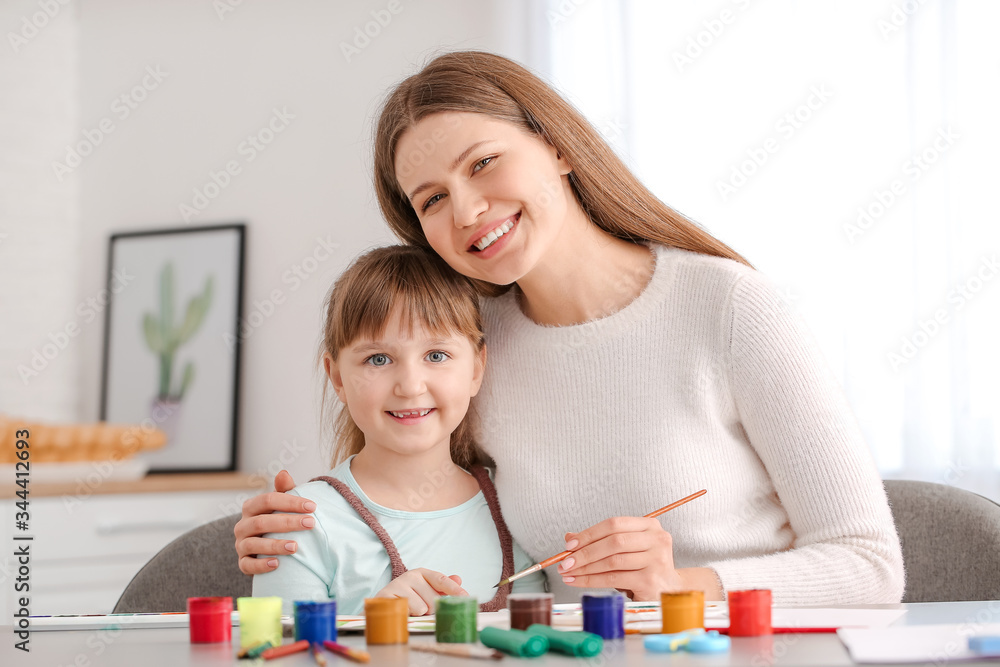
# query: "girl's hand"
{"points": [[257, 520], [421, 587], [632, 554]]}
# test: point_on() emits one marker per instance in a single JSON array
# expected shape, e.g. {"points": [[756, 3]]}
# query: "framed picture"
{"points": [[172, 344]]}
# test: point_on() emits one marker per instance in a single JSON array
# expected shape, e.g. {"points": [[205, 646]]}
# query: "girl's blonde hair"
{"points": [[430, 293], [479, 82]]}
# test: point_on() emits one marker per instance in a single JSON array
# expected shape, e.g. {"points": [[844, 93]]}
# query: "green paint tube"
{"points": [[515, 642], [579, 644]]}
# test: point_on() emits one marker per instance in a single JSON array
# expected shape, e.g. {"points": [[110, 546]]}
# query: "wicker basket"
{"points": [[77, 442]]}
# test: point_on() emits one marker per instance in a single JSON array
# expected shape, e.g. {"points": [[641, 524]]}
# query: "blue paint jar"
{"points": [[316, 621], [604, 615]]}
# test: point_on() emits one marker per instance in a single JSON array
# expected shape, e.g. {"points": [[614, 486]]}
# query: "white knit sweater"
{"points": [[706, 380]]}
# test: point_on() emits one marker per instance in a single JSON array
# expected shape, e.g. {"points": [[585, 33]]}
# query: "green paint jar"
{"points": [[455, 619]]}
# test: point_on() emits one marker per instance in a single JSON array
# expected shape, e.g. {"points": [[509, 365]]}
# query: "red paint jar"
{"points": [[210, 620], [750, 613]]}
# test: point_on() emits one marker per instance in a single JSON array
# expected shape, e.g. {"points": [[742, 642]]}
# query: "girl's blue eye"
{"points": [[437, 356], [377, 360], [482, 163]]}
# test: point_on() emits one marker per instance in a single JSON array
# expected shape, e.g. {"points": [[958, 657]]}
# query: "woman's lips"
{"points": [[488, 240]]}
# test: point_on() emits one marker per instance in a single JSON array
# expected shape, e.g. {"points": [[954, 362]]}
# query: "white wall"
{"points": [[39, 217], [221, 80]]}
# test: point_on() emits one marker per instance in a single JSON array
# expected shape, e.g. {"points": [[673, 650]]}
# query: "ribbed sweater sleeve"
{"points": [[799, 423]]}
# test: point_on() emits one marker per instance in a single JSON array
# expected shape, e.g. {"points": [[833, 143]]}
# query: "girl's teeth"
{"points": [[412, 413], [488, 240]]}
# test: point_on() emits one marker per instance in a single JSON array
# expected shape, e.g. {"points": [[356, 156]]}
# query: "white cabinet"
{"points": [[84, 553]]}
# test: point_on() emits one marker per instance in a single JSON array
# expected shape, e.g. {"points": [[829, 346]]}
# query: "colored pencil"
{"points": [[244, 651], [562, 556], [352, 653], [253, 651], [286, 649], [459, 650], [318, 655]]}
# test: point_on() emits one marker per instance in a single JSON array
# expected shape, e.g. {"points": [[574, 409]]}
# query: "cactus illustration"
{"points": [[163, 337]]}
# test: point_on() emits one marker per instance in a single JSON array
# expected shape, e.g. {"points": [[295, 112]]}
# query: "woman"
{"points": [[634, 360]]}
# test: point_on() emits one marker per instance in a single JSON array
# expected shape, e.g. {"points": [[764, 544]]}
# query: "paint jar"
{"points": [[528, 609], [260, 621], [386, 621], [604, 615], [316, 621], [455, 619], [210, 620], [750, 613], [684, 610]]}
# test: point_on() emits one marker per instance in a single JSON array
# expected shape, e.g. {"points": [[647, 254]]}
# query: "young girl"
{"points": [[634, 360], [405, 352]]}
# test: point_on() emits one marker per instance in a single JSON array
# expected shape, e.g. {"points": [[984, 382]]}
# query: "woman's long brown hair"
{"points": [[480, 82], [430, 294]]}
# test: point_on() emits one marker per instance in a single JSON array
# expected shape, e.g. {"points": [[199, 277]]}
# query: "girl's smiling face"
{"points": [[491, 198], [408, 390]]}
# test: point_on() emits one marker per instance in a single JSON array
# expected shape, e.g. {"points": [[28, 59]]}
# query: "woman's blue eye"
{"points": [[430, 202], [437, 356], [377, 360], [482, 163]]}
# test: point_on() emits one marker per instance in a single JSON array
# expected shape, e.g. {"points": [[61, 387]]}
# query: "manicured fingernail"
{"points": [[290, 546], [310, 506], [272, 562], [569, 579], [308, 522], [567, 564], [572, 545]]}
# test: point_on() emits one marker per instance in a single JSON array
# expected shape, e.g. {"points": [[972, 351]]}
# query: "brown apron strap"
{"points": [[390, 548], [482, 476], [499, 600]]}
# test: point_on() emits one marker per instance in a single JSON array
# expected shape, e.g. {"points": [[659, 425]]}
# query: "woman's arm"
{"points": [[258, 520], [800, 424], [801, 427]]}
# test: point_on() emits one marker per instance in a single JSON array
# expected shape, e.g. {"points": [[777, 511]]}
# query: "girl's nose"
{"points": [[410, 381]]}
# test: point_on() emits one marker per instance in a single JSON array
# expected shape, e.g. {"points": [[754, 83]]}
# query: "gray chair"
{"points": [[201, 562], [950, 539]]}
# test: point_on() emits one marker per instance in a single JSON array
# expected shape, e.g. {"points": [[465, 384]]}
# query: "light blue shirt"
{"points": [[341, 558]]}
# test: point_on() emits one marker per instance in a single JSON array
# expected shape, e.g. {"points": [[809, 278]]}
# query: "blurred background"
{"points": [[848, 150]]}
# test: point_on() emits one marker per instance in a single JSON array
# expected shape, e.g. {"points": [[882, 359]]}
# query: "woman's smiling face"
{"points": [[491, 198]]}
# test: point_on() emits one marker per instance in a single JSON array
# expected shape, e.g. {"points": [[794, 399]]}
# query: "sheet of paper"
{"points": [[645, 616], [115, 621], [792, 617], [914, 643]]}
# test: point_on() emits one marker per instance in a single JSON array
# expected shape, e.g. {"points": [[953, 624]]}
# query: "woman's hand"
{"points": [[421, 587], [257, 520], [633, 554]]}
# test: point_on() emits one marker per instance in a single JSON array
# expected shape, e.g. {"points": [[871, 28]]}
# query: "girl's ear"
{"points": [[332, 372], [478, 371]]}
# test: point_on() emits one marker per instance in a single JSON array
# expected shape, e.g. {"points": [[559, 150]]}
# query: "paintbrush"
{"points": [[459, 650], [560, 557]]}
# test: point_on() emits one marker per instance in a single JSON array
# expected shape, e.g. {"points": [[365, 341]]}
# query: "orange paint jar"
{"points": [[386, 621], [684, 610]]}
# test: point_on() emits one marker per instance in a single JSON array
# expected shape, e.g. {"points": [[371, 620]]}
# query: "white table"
{"points": [[170, 647]]}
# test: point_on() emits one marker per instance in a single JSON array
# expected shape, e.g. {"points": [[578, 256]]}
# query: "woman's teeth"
{"points": [[487, 241], [411, 413]]}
